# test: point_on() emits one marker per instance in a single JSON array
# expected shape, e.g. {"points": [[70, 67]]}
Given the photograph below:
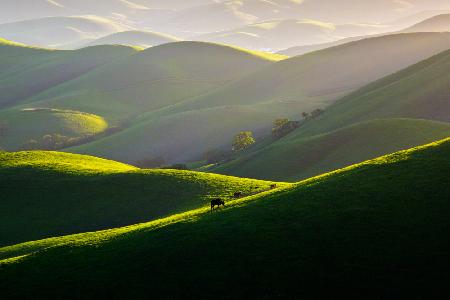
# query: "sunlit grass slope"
{"points": [[292, 160], [50, 194], [374, 230], [283, 89], [152, 79], [418, 92], [24, 125], [22, 68]]}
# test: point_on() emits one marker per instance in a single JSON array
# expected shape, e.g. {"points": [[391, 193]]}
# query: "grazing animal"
{"points": [[238, 195], [217, 202], [273, 186]]}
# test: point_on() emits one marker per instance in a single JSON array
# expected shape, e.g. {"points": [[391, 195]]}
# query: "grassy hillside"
{"points": [[155, 78], [24, 125], [143, 39], [284, 89], [21, 68], [292, 160], [418, 92], [376, 230], [49, 194]]}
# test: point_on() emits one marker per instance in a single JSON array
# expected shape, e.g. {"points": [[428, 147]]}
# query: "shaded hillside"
{"points": [[292, 160], [283, 89], [49, 193], [143, 39], [379, 228]]}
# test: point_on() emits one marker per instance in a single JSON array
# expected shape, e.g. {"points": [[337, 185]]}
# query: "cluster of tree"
{"points": [[282, 127], [49, 142], [216, 156], [312, 115], [159, 163]]}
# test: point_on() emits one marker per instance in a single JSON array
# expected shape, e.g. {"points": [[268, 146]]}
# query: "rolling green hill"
{"points": [[48, 194], [292, 160], [184, 131], [24, 125], [21, 68], [155, 78], [378, 230], [418, 92]]}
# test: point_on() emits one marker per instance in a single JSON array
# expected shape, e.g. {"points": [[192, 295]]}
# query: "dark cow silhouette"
{"points": [[238, 195], [217, 202], [273, 186]]}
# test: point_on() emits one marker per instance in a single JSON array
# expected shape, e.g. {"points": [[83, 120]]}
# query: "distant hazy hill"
{"points": [[419, 92], [438, 23], [59, 32], [284, 89], [276, 34], [143, 39]]}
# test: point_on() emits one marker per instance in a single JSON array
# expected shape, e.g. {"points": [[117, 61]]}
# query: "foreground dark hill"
{"points": [[375, 230], [49, 194], [418, 92], [284, 89]]}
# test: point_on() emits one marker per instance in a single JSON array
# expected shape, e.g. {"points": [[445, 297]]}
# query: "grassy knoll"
{"points": [[292, 160], [374, 230], [24, 125], [49, 193]]}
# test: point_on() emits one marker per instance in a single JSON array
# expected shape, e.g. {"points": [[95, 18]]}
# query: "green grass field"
{"points": [[48, 194], [292, 160], [374, 230], [24, 125]]}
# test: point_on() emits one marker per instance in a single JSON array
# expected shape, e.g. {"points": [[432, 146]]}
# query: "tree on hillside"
{"points": [[215, 156], [282, 127], [242, 140]]}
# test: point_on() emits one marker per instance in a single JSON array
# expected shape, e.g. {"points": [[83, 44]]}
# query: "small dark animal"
{"points": [[273, 186], [238, 195], [217, 202]]}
